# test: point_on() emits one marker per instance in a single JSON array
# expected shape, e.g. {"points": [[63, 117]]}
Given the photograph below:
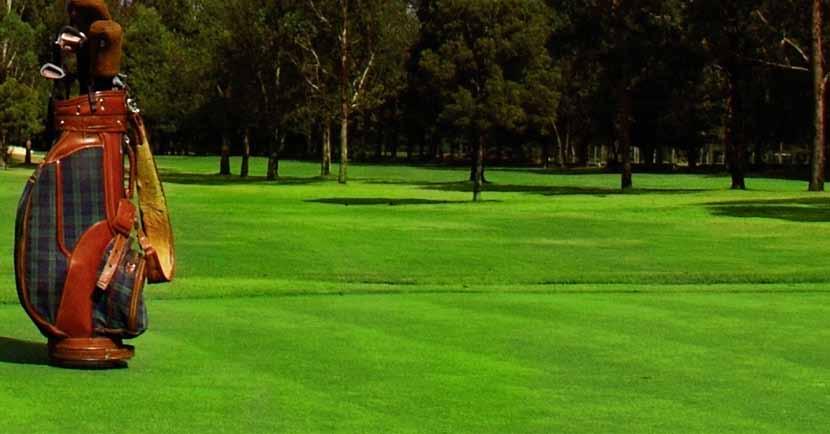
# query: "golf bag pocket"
{"points": [[119, 306], [60, 203]]}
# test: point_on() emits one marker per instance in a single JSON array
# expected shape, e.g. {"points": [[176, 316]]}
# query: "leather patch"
{"points": [[75, 312]]}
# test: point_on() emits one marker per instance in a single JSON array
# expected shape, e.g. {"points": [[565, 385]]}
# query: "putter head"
{"points": [[70, 39], [50, 71]]}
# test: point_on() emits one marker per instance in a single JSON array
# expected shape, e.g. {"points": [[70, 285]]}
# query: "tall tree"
{"points": [[346, 40], [490, 55], [819, 83], [22, 93]]}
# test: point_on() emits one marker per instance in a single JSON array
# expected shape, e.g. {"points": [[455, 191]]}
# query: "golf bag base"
{"points": [[89, 353]]}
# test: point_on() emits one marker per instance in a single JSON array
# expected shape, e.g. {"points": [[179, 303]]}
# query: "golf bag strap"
{"points": [[124, 222], [156, 233]]}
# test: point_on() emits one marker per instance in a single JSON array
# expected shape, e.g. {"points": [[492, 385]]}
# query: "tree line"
{"points": [[568, 83]]}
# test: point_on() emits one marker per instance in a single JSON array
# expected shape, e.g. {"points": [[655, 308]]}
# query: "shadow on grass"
{"points": [[371, 201], [544, 190], [22, 352], [215, 179], [808, 210]]}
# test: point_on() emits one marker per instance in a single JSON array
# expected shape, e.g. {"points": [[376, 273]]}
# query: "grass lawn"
{"points": [[394, 305]]}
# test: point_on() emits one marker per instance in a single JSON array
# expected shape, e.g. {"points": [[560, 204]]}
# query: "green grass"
{"points": [[395, 305]]}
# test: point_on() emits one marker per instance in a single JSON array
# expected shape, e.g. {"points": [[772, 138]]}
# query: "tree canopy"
{"points": [[621, 84]]}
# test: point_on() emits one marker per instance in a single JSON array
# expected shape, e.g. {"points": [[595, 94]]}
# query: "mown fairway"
{"points": [[394, 304]]}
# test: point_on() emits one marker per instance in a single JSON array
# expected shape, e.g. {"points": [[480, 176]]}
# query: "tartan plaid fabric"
{"points": [[83, 193], [112, 307], [46, 266], [18, 229]]}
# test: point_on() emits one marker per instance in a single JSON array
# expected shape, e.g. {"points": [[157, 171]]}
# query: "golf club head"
{"points": [[71, 39], [105, 49], [50, 71], [119, 81]]}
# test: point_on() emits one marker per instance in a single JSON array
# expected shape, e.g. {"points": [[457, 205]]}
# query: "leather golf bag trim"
{"points": [[83, 248]]}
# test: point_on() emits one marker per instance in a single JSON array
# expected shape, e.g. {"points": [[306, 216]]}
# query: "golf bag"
{"points": [[83, 249], [92, 225]]}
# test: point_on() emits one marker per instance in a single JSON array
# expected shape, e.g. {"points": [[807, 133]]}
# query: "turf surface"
{"points": [[394, 304]]}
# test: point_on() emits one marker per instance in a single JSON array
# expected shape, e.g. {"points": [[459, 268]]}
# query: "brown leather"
{"points": [[105, 103], [105, 48], [111, 124], [83, 13], [124, 218], [119, 249], [113, 175], [71, 143], [98, 352], [157, 239], [75, 312]]}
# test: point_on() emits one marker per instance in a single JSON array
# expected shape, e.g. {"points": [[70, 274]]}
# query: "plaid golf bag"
{"points": [[92, 225]]}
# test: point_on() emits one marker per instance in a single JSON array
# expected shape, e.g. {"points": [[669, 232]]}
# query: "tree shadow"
{"points": [[544, 190], [218, 180], [806, 210], [371, 201], [22, 352]]}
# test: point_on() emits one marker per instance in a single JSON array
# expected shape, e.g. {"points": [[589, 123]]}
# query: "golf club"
{"points": [[50, 71], [70, 39]]}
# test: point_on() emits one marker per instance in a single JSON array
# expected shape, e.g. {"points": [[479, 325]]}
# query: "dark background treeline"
{"points": [[655, 84]]}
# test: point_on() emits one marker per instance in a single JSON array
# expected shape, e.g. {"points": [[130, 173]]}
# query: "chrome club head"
{"points": [[51, 71], [70, 39]]}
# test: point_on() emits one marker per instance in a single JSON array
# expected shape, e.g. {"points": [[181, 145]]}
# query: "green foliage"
{"points": [[21, 114], [491, 65], [157, 75]]}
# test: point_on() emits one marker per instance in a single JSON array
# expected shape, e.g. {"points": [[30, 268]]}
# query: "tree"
{"points": [[21, 99], [490, 55], [819, 84], [262, 76], [21, 114], [343, 42]]}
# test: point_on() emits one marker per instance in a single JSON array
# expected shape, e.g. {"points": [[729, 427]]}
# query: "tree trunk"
{"points": [[273, 166], [560, 146], [273, 171], [246, 155], [624, 135], [344, 95], [693, 155], [225, 162], [817, 166], [735, 152], [344, 145], [478, 168], [325, 165], [28, 152], [4, 155]]}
